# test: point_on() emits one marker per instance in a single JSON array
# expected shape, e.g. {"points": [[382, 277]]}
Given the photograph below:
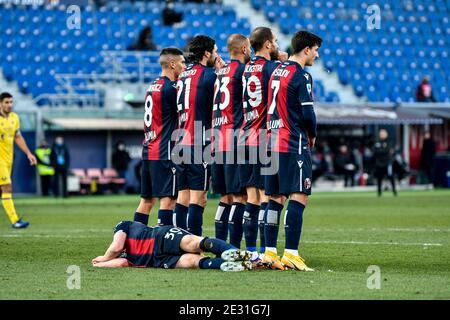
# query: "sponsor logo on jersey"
{"points": [[217, 122], [250, 116], [275, 124], [150, 135]]}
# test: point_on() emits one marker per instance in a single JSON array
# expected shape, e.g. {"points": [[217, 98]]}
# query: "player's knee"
{"points": [[198, 198], [167, 203], [191, 243], [300, 197], [7, 188], [240, 198], [226, 199], [183, 197]]}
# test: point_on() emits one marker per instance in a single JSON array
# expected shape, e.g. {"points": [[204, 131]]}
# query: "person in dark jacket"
{"points": [[427, 156], [345, 164], [60, 160], [424, 92], [120, 159], [383, 154], [145, 41], [44, 166]]}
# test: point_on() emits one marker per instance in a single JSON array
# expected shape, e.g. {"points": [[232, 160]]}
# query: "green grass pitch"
{"points": [[407, 237]]}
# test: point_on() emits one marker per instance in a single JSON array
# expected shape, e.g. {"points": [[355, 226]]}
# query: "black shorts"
{"points": [[158, 179], [167, 249], [294, 174], [225, 177]]}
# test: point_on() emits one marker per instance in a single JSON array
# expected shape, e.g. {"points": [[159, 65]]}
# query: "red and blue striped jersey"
{"points": [[255, 88], [195, 94], [160, 119], [290, 93], [227, 110], [139, 244]]}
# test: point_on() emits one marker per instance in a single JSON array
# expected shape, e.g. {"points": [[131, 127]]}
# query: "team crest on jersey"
{"points": [[308, 87], [307, 183]]}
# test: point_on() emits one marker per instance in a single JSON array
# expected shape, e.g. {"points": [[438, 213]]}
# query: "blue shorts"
{"points": [[194, 175], [250, 172], [294, 174], [158, 179], [167, 249], [225, 177]]}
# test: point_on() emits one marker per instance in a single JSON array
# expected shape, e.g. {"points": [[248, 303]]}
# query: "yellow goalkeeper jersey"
{"points": [[8, 129]]}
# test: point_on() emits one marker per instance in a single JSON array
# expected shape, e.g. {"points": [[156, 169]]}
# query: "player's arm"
{"points": [[309, 116], [20, 141], [114, 263], [115, 248]]}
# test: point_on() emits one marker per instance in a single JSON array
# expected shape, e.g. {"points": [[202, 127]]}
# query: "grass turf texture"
{"points": [[408, 237]]}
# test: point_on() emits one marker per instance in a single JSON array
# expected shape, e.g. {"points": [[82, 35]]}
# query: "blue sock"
{"points": [[221, 220], [235, 223], [251, 226], [180, 213], [261, 218], [293, 224], [165, 217], [214, 245], [141, 217], [195, 219], [210, 263], [272, 223]]}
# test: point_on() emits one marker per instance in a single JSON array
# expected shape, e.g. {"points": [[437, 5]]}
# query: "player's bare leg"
{"points": [[293, 230], [143, 210], [165, 213], [194, 245], [181, 209]]}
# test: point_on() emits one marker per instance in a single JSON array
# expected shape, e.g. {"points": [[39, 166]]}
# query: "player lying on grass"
{"points": [[137, 245]]}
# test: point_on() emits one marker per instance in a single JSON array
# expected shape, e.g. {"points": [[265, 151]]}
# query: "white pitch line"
{"points": [[373, 243], [307, 241]]}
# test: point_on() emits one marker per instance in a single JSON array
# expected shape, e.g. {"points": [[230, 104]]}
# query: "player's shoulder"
{"points": [[304, 75], [13, 115]]}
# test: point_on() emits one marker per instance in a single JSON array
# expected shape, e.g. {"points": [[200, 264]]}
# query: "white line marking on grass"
{"points": [[372, 243]]}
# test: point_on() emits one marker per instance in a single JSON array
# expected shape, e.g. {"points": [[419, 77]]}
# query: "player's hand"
{"points": [[98, 260], [311, 142], [219, 63], [32, 159], [283, 56]]}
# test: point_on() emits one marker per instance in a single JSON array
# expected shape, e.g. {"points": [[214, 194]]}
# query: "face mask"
{"points": [[59, 142], [121, 147]]}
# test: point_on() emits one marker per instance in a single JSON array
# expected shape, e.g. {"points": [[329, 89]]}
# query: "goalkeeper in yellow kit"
{"points": [[10, 133]]}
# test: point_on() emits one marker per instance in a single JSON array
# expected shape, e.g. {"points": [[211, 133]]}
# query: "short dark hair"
{"points": [[259, 36], [5, 95], [303, 39], [198, 45], [171, 51]]}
